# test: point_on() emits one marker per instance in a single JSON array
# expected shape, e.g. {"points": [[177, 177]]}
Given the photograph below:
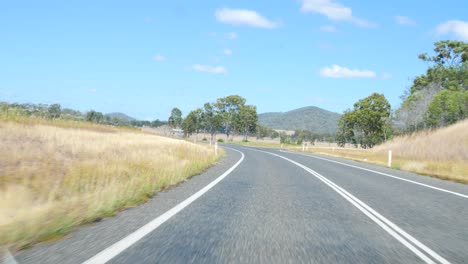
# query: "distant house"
{"points": [[177, 132]]}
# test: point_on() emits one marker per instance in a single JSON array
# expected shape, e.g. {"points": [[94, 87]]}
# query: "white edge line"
{"points": [[7, 258], [373, 215], [381, 173], [118, 247]]}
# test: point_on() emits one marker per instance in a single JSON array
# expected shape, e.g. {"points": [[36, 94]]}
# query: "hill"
{"points": [[310, 118], [121, 116]]}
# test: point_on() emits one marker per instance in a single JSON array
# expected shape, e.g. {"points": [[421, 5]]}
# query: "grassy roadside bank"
{"points": [[55, 177], [441, 153]]}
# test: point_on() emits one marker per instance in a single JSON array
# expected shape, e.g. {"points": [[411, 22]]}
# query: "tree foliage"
{"points": [[175, 120], [55, 111], [211, 120], [193, 122], [228, 115], [436, 98], [247, 120], [229, 108], [93, 116], [367, 123]]}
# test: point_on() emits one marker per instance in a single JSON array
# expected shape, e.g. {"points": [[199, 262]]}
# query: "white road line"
{"points": [[381, 173], [112, 251], [7, 258], [399, 234]]}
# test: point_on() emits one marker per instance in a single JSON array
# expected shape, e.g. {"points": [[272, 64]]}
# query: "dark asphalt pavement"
{"points": [[270, 210]]}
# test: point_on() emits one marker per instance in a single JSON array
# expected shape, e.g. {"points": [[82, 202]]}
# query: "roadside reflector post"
{"points": [[389, 158], [303, 147], [216, 148], [281, 145]]}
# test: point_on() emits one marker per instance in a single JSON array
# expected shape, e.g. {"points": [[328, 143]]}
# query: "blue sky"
{"points": [[145, 57]]}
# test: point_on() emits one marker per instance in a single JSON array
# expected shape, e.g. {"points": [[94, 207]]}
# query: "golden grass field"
{"points": [[55, 176]]}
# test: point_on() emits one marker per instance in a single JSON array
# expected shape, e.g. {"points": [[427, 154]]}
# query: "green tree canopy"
{"points": [[247, 120], [366, 124], [55, 111], [211, 119], [175, 120], [436, 97], [229, 108]]}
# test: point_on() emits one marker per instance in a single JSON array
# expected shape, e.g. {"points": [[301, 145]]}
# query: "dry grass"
{"points": [[53, 178], [441, 153]]}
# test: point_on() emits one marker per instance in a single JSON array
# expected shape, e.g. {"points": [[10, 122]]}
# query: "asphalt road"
{"points": [[280, 207]]}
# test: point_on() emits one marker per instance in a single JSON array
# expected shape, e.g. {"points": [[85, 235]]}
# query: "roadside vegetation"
{"points": [[441, 153], [56, 174]]}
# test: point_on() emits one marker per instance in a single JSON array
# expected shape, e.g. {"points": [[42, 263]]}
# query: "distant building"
{"points": [[177, 132]]}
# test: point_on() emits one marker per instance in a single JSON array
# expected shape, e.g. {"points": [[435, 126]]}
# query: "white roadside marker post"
{"points": [[389, 158], [303, 147], [216, 148]]}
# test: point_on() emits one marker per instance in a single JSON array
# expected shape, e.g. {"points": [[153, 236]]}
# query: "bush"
{"points": [[204, 139], [221, 140], [245, 140]]}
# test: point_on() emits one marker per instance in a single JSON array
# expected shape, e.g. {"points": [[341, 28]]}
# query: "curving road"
{"points": [[270, 206]]}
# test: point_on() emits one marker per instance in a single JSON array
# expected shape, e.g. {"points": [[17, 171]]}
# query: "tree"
{"points": [[431, 97], [193, 122], [366, 123], [228, 108], [247, 120], [54, 111], [175, 120], [448, 52], [447, 108], [274, 134], [211, 120], [93, 116]]}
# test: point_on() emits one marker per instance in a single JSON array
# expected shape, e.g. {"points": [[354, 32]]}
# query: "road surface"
{"points": [[270, 206]]}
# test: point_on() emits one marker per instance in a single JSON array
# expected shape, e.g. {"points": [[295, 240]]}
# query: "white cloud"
{"points": [[209, 69], [454, 27], [315, 99], [386, 75], [334, 11], [336, 71], [232, 35], [227, 52], [404, 20], [159, 57], [328, 28], [243, 17]]}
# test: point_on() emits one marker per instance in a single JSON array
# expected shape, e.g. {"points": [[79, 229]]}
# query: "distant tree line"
{"points": [[226, 115], [55, 111], [435, 99]]}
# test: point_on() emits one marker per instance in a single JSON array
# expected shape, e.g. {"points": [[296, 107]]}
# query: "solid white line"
{"points": [[381, 173], [383, 222], [112, 251], [7, 258]]}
